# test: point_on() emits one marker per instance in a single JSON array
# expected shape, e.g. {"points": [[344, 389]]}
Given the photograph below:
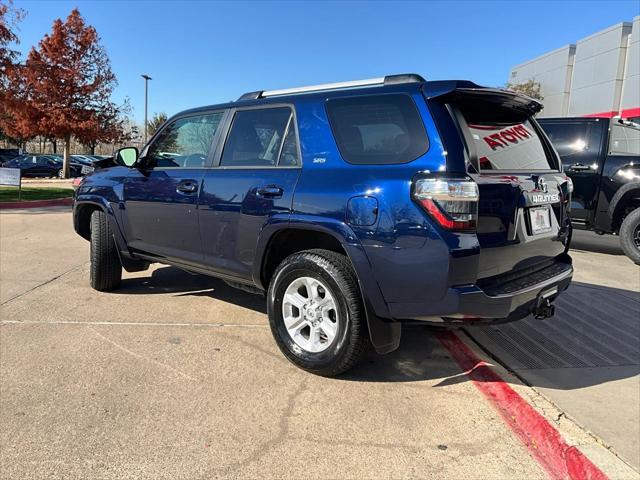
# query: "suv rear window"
{"points": [[377, 129], [512, 147], [503, 135]]}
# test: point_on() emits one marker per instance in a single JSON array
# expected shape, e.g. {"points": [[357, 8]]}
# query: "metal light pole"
{"points": [[146, 102]]}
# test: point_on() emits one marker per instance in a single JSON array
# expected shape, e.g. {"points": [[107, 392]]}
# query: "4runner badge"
{"points": [[545, 197]]}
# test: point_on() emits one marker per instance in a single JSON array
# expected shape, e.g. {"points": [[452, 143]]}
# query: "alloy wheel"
{"points": [[310, 314]]}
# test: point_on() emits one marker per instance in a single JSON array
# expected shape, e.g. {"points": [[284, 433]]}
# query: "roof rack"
{"points": [[387, 80]]}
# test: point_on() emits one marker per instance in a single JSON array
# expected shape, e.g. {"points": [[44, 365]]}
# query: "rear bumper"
{"points": [[504, 299]]}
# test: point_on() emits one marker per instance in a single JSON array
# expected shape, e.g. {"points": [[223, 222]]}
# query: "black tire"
{"points": [[351, 341], [630, 236], [106, 269], [60, 173]]}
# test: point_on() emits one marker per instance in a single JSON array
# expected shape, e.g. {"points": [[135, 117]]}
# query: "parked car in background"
{"points": [[602, 158], [43, 166], [89, 164], [83, 159], [103, 161], [352, 206], [7, 154]]}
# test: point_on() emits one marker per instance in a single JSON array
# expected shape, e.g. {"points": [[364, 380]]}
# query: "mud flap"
{"points": [[384, 334]]}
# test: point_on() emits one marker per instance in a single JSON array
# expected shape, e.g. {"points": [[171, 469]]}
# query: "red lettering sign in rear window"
{"points": [[515, 147]]}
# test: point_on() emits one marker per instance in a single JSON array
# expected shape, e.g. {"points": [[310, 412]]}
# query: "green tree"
{"points": [[156, 122]]}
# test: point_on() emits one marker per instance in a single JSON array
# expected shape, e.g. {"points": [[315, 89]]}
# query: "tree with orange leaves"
{"points": [[9, 18], [67, 81]]}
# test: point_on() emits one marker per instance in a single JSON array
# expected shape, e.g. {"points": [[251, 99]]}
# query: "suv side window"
{"points": [[377, 129], [262, 137], [184, 143]]}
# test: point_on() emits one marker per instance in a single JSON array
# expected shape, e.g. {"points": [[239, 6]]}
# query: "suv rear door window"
{"points": [[377, 129], [262, 137]]}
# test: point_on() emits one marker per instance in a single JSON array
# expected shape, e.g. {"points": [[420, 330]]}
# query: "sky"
{"points": [[204, 52]]}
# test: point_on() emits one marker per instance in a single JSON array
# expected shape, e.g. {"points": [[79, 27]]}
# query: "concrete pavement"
{"points": [[38, 245], [176, 376]]}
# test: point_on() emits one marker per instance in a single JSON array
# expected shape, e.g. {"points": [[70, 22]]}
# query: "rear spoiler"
{"points": [[456, 90]]}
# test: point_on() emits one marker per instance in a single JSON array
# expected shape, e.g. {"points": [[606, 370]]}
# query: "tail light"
{"points": [[452, 202]]}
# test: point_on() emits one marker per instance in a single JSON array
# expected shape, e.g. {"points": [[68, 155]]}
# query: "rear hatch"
{"points": [[523, 204]]}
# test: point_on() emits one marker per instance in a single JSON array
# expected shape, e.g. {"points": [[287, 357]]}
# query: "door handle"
{"points": [[187, 186], [579, 167], [270, 191]]}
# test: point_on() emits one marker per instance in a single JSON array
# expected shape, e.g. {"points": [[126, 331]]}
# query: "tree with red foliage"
{"points": [[68, 81], [9, 18], [108, 127]]}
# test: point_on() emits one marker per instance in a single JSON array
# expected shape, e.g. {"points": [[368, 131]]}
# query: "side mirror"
{"points": [[127, 156]]}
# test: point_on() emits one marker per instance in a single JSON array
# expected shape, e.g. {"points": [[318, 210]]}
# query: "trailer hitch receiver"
{"points": [[544, 308]]}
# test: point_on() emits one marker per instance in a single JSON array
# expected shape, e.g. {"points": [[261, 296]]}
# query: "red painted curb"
{"points": [[544, 442], [37, 203]]}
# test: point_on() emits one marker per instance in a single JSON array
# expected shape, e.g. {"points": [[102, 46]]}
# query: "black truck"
{"points": [[602, 158]]}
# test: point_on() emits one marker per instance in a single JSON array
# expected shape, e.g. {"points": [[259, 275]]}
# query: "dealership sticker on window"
{"points": [[511, 147]]}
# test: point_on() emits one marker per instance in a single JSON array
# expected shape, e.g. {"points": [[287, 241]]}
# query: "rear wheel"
{"points": [[630, 235], [106, 269], [316, 314], [60, 173]]}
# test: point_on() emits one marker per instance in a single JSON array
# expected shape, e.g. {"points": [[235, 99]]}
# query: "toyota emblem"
{"points": [[541, 185]]}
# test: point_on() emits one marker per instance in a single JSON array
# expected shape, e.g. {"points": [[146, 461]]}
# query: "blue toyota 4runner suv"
{"points": [[353, 206]]}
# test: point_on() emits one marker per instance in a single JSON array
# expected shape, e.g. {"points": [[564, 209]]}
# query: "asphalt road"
{"points": [[176, 376]]}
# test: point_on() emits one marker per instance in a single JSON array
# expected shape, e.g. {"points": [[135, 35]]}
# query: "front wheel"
{"points": [[106, 269], [316, 313], [630, 236]]}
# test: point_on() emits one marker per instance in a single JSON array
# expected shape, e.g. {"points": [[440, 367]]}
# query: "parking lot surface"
{"points": [[176, 376]]}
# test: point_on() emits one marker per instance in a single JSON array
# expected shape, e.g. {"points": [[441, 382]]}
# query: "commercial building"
{"points": [[597, 76]]}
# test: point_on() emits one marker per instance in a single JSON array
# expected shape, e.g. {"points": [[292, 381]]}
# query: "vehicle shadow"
{"points": [[585, 241], [594, 337], [172, 280]]}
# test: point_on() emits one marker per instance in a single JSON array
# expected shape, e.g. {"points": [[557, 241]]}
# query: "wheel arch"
{"points": [[278, 242], [82, 212], [627, 196]]}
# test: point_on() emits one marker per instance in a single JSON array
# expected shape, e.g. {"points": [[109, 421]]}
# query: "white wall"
{"points": [[600, 74], [598, 71], [553, 72], [631, 88]]}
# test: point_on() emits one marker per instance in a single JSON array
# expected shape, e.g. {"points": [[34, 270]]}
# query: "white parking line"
{"points": [[146, 324]]}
